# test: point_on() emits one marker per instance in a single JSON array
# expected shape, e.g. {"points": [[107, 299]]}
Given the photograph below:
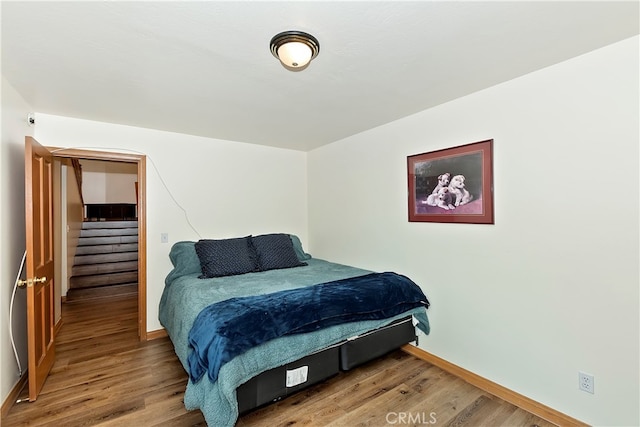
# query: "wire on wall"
{"points": [[13, 296]]}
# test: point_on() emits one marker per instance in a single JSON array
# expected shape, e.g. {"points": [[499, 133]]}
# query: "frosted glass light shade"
{"points": [[294, 54], [294, 49]]}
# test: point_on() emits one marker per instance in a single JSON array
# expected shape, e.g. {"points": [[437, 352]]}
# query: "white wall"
{"points": [[226, 189], [12, 233], [108, 182], [552, 287]]}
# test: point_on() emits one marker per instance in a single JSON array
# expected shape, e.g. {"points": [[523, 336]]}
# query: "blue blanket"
{"points": [[228, 328]]}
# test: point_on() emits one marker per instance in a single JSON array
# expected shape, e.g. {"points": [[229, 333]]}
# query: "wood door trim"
{"points": [[74, 153], [142, 248], [141, 161]]}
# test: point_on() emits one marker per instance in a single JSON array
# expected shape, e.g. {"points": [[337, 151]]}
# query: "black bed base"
{"points": [[280, 382]]}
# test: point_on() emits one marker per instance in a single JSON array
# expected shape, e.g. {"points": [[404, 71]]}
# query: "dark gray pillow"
{"points": [[275, 251], [226, 257]]}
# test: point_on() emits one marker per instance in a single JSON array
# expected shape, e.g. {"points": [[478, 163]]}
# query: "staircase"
{"points": [[106, 261]]}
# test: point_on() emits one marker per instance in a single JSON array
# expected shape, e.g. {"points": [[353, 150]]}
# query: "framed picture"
{"points": [[452, 185]]}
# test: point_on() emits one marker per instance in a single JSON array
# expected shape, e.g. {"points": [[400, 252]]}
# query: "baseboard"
{"points": [[57, 327], [154, 335], [523, 402], [13, 395]]}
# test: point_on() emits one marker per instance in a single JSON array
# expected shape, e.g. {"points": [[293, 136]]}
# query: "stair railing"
{"points": [[77, 170]]}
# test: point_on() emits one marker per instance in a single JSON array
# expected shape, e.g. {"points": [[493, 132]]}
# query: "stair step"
{"points": [[107, 240], [106, 249], [105, 268], [77, 282], [109, 224], [106, 232], [101, 292], [104, 258]]}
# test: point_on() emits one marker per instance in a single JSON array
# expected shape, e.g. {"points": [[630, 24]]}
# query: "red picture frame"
{"points": [[452, 185]]}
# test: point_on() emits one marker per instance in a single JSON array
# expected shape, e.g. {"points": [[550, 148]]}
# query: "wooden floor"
{"points": [[104, 376]]}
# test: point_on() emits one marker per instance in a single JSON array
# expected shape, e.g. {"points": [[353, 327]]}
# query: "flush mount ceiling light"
{"points": [[294, 49]]}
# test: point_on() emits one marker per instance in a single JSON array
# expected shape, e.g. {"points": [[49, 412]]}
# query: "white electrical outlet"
{"points": [[164, 238], [585, 382]]}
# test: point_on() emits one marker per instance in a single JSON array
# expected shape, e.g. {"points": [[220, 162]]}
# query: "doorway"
{"points": [[102, 247], [67, 156]]}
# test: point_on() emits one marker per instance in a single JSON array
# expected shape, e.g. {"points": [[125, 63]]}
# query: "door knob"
{"points": [[30, 282]]}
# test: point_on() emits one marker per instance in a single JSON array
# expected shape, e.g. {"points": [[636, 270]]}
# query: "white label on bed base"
{"points": [[297, 376], [414, 321]]}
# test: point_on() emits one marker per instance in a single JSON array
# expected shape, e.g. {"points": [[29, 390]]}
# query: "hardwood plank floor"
{"points": [[104, 377]]}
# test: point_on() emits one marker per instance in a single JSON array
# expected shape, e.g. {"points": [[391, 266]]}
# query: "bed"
{"points": [[249, 272]]}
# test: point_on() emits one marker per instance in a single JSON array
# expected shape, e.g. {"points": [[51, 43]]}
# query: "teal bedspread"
{"points": [[185, 296]]}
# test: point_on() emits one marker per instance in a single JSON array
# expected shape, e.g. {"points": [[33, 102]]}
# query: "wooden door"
{"points": [[39, 273]]}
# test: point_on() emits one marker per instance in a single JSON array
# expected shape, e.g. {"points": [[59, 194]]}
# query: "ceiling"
{"points": [[205, 68]]}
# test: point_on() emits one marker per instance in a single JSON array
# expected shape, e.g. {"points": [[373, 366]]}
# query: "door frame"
{"points": [[141, 161]]}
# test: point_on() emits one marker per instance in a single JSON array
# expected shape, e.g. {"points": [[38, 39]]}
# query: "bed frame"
{"points": [[278, 383]]}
